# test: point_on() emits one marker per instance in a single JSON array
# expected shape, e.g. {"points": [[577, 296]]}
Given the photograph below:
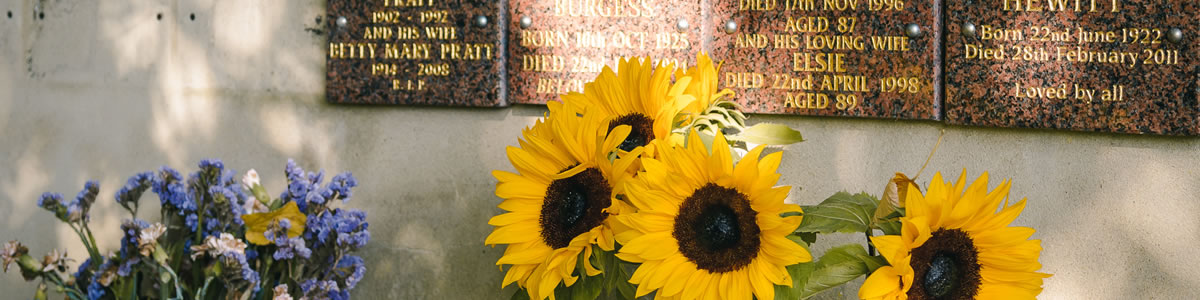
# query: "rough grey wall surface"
{"points": [[102, 89]]}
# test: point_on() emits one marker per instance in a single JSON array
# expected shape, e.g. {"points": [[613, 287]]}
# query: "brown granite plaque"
{"points": [[1125, 66], [424, 52], [556, 46], [866, 58]]}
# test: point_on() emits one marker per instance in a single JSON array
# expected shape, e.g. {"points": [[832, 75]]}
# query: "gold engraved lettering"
{"points": [[804, 5], [750, 40], [383, 17], [761, 5], [977, 51], [844, 83], [987, 32], [806, 100], [377, 33], [1061, 5], [543, 39], [604, 8], [787, 41], [543, 63], [441, 32], [378, 69], [407, 3], [889, 43], [351, 50], [819, 62], [834, 42], [839, 5], [466, 51], [589, 39], [407, 51], [806, 24], [407, 33], [745, 80], [408, 84]]}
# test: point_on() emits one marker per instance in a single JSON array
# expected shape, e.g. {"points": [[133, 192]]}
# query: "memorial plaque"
{"points": [[868, 58], [425, 52], [557, 46], [1093, 65]]}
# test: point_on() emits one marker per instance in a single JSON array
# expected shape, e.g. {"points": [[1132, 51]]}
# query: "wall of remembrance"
{"points": [[104, 89]]}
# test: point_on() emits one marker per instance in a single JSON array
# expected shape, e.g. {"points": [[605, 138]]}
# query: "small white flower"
{"points": [[219, 246], [281, 293], [55, 260], [251, 179], [12, 250], [148, 238]]}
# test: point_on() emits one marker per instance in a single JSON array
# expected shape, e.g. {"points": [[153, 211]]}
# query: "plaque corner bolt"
{"points": [[968, 29], [731, 26], [481, 21], [912, 30], [341, 21], [682, 25], [526, 22], [1175, 35]]}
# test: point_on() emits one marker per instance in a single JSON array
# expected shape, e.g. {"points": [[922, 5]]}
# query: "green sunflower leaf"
{"points": [[836, 267], [840, 213], [768, 134]]}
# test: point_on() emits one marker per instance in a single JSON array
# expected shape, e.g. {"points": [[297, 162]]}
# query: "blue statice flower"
{"points": [[352, 223], [355, 263], [95, 290], [82, 274], [242, 269], [321, 289], [126, 267], [251, 254], [341, 185], [192, 221], [290, 248], [52, 202], [131, 192], [77, 209]]}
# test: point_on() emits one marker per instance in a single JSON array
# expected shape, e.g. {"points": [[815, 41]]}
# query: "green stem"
{"points": [[200, 293], [870, 247], [93, 252], [72, 292]]}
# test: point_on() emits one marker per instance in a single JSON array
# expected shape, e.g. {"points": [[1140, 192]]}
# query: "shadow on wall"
{"points": [[103, 90]]}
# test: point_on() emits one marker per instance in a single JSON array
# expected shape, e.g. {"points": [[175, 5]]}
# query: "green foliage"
{"points": [[768, 134], [840, 213], [837, 266]]}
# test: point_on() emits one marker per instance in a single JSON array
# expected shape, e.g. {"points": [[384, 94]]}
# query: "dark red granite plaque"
{"points": [[422, 52], [1126, 66], [556, 46], [862, 58]]}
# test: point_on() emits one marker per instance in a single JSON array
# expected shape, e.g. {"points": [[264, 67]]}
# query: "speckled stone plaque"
{"points": [[1126, 66], [861, 58], [558, 45], [420, 52]]}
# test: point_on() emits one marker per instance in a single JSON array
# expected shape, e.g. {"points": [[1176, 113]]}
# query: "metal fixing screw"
{"points": [[526, 22], [682, 25], [912, 30], [481, 21], [731, 27], [341, 21], [1175, 35], [968, 29]]}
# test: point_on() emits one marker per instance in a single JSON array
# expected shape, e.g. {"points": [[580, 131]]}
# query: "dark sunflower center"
{"points": [[716, 229], [574, 205], [642, 130], [946, 267]]}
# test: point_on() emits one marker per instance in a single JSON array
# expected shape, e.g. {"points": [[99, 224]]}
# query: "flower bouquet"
{"points": [[649, 182], [216, 238]]}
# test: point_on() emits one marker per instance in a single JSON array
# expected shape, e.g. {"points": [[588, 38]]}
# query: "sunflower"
{"points": [[703, 86], [708, 225], [641, 95], [955, 245], [560, 199]]}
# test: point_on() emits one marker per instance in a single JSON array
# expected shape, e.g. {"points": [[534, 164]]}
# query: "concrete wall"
{"points": [[102, 89]]}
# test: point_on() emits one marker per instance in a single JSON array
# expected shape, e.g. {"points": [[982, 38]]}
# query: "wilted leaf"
{"points": [[840, 213], [256, 224], [768, 134]]}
